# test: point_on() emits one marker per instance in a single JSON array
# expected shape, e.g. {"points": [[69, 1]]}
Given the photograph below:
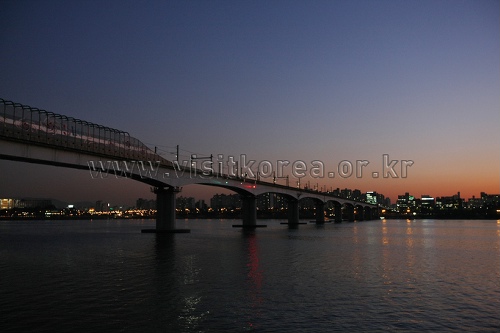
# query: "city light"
{"points": [[267, 205]]}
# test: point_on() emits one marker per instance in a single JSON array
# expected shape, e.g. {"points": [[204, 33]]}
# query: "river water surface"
{"points": [[379, 275]]}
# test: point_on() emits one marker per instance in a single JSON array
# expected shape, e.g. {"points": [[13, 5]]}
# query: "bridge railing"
{"points": [[24, 123]]}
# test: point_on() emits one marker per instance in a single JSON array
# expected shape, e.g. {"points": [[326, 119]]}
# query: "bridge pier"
{"points": [[349, 212], [367, 213], [358, 216], [293, 211], [320, 212], [165, 211], [338, 213], [249, 210], [249, 213]]}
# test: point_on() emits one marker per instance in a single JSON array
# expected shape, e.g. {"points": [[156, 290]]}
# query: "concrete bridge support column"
{"points": [[293, 211], [338, 213], [249, 213], [320, 212], [349, 213], [249, 210], [359, 213], [165, 211], [368, 213]]}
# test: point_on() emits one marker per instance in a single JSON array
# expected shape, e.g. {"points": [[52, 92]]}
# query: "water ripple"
{"points": [[373, 276]]}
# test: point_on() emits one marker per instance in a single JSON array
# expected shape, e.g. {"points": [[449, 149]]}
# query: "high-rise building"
{"points": [[490, 200], [406, 203], [449, 203], [145, 204], [7, 203], [371, 197], [184, 203], [264, 201], [228, 201], [426, 204], [201, 205], [357, 195], [346, 193]]}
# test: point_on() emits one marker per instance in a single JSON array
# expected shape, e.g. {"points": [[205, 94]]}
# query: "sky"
{"points": [[331, 81]]}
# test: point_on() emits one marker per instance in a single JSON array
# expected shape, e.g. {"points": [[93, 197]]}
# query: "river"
{"points": [[384, 275]]}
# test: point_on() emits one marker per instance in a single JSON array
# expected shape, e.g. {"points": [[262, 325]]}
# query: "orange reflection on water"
{"points": [[498, 234], [385, 240], [355, 234], [409, 238]]}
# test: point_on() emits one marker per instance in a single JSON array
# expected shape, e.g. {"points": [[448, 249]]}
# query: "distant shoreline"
{"points": [[100, 217]]}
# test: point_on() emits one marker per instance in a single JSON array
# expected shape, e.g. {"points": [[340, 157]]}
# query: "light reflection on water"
{"points": [[410, 275]]}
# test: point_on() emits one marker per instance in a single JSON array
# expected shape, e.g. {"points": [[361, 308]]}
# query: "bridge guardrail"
{"points": [[24, 123]]}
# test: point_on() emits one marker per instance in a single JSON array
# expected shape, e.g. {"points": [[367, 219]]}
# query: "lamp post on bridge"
{"points": [[282, 177], [195, 157], [176, 153]]}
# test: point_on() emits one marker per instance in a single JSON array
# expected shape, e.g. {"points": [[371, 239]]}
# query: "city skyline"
{"points": [[346, 193], [270, 206], [331, 81]]}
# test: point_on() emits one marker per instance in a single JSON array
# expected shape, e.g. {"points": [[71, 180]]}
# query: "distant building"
{"points": [[346, 193], [357, 195], [264, 201], [426, 204], [231, 201], [271, 201], [490, 200], [145, 204], [25, 203], [449, 203], [371, 197], [406, 203], [99, 206], [382, 200], [474, 203], [7, 203], [185, 203], [279, 202], [307, 204], [201, 205]]}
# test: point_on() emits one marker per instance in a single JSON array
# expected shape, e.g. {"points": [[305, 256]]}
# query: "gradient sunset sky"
{"points": [[275, 80]]}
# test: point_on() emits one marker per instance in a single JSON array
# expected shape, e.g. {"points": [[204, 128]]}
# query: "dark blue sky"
{"points": [[326, 80]]}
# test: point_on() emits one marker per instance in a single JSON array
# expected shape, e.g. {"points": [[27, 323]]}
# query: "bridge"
{"points": [[34, 135]]}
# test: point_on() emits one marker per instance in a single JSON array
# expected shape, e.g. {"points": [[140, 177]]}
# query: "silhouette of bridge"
{"points": [[33, 135]]}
